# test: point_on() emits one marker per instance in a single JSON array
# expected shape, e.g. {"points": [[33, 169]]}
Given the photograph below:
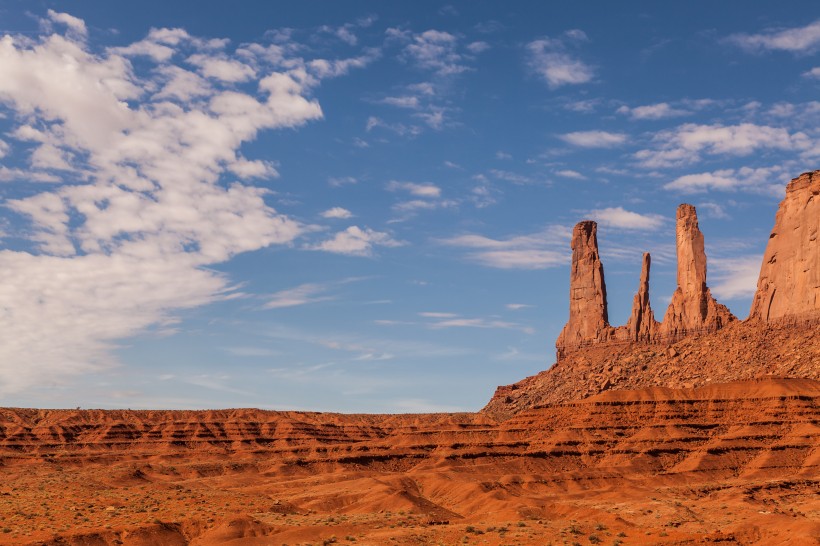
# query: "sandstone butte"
{"points": [[698, 429]]}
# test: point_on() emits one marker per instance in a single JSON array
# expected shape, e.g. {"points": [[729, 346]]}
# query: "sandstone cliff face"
{"points": [[692, 309], [789, 282], [588, 321]]}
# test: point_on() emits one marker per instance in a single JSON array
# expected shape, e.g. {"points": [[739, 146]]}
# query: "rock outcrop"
{"points": [[642, 326], [692, 309], [789, 282], [588, 321]]}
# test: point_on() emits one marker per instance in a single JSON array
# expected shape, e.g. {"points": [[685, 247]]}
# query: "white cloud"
{"points": [[770, 181], [686, 143], [734, 277], [145, 206], [337, 181], [618, 217], [549, 58], [75, 25], [405, 101], [337, 213], [493, 324], [355, 241], [814, 73], [419, 190], [324, 68], [437, 51], [569, 173], [661, 110], [478, 47], [536, 251], [795, 40], [300, 295], [713, 210], [517, 306], [222, 68], [435, 314], [594, 139]]}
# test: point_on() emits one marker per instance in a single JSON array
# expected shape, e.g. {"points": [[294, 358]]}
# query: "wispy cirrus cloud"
{"points": [[535, 251]]}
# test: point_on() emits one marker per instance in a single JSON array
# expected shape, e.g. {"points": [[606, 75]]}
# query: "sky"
{"points": [[366, 206]]}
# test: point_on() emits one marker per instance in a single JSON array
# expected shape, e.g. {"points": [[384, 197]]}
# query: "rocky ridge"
{"points": [[699, 341]]}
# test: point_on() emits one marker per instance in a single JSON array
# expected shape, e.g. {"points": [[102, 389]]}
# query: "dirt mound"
{"points": [[740, 351]]}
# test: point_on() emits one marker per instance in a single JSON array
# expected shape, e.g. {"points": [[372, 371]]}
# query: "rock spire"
{"points": [[692, 309], [789, 282], [642, 325], [588, 321]]}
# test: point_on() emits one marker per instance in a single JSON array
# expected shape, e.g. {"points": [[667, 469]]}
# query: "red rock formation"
{"points": [[692, 309], [642, 325], [588, 321], [789, 282]]}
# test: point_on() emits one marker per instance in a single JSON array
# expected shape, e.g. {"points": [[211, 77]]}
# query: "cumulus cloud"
{"points": [[142, 158], [686, 143], [661, 110], [355, 241], [770, 181], [618, 217], [795, 40], [550, 59], [535, 251], [337, 213], [594, 139]]}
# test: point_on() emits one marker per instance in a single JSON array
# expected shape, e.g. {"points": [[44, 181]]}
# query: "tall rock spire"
{"points": [[692, 309], [588, 321], [789, 282], [641, 325]]}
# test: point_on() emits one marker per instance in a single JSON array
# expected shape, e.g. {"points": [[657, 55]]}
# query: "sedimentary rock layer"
{"points": [[656, 466]]}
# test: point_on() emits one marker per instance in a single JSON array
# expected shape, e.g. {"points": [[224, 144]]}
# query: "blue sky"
{"points": [[366, 206]]}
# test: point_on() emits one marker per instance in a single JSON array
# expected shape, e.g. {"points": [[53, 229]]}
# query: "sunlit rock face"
{"points": [[789, 282]]}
